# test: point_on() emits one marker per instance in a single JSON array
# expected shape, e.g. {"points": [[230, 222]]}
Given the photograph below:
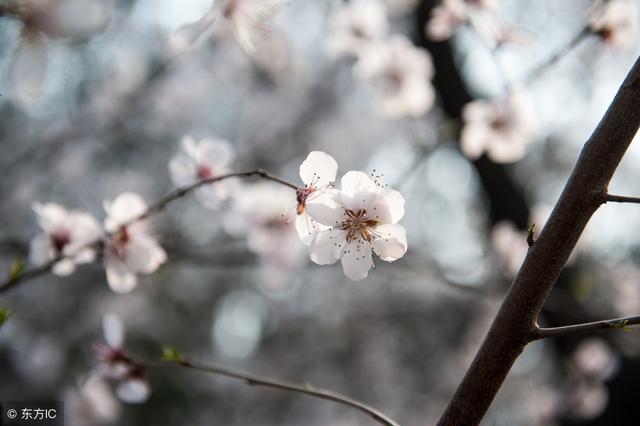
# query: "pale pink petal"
{"points": [[63, 268], [143, 254], [49, 215], [215, 152], [119, 277], [307, 228], [390, 242], [124, 208], [211, 196], [113, 331], [395, 204], [133, 391], [40, 250], [325, 208], [356, 260], [327, 246], [318, 169], [358, 191], [183, 170]]}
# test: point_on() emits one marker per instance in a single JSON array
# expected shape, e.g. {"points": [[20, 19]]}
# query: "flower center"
{"points": [[358, 225], [60, 238], [301, 197], [204, 172]]}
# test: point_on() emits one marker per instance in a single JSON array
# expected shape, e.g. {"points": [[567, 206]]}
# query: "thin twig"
{"points": [[620, 199], [307, 389], [555, 57], [153, 209], [620, 323]]}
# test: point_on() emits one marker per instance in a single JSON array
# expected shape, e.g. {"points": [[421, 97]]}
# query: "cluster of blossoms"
{"points": [[399, 72], [347, 223]]}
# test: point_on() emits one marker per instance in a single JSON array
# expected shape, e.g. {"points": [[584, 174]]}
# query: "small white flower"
{"points": [[614, 21], [361, 218], [91, 403], [132, 386], [445, 19], [201, 161], [257, 212], [66, 233], [131, 249], [318, 173], [401, 73], [250, 20], [594, 359], [502, 128], [354, 25]]}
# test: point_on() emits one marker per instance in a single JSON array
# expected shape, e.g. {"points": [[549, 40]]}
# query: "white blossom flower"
{"points": [[54, 19], [91, 403], [250, 20], [201, 161], [594, 359], [354, 25], [614, 21], [257, 212], [318, 173], [402, 75], [131, 249], [66, 233], [510, 246], [363, 217], [502, 128], [132, 386], [445, 19]]}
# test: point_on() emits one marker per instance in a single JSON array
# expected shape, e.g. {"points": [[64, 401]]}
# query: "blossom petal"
{"points": [[325, 207], [49, 215], [391, 243], [327, 246], [40, 250], [356, 260], [307, 228], [215, 152], [183, 170], [28, 68], [119, 277], [318, 169], [133, 391], [143, 254], [124, 208], [64, 268], [395, 204], [358, 191], [113, 331]]}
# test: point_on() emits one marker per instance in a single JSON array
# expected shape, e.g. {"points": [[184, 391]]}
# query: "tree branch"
{"points": [[153, 209], [255, 380], [582, 195], [620, 323], [620, 199]]}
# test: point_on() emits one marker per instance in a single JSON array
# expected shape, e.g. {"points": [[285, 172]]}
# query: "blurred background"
{"points": [[109, 107]]}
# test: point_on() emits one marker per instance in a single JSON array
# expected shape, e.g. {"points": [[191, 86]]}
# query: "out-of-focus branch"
{"points": [[157, 207], [583, 194], [255, 380], [540, 69], [620, 323], [620, 199]]}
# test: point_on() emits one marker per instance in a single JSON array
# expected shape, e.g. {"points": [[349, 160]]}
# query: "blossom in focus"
{"points": [[362, 217], [614, 21], [66, 233], [64, 19], [318, 173], [401, 73], [131, 249], [354, 25], [132, 386], [257, 213], [502, 128], [201, 161]]}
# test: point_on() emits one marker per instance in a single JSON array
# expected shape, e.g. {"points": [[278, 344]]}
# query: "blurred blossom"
{"points": [[587, 400], [258, 211], [131, 384], [356, 24], [91, 402], [362, 217], [510, 246], [502, 128], [66, 233], [625, 290], [187, 36], [131, 249], [239, 324], [401, 74], [68, 19], [200, 161], [401, 7], [318, 173], [594, 359], [445, 19], [614, 21]]}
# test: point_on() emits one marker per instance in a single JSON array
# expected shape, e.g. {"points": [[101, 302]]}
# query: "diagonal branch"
{"points": [[620, 323], [255, 380], [620, 199], [153, 209]]}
